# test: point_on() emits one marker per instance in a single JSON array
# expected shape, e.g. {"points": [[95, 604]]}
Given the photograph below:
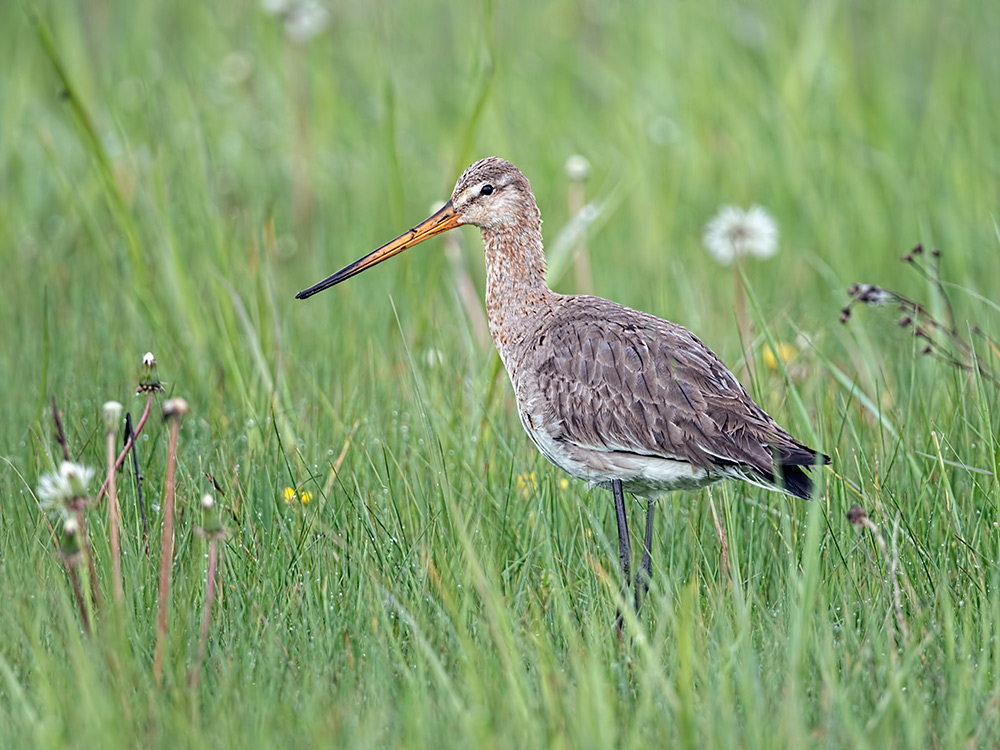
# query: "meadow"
{"points": [[400, 567]]}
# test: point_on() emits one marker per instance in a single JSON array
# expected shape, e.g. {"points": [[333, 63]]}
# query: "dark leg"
{"points": [[624, 545], [645, 573]]}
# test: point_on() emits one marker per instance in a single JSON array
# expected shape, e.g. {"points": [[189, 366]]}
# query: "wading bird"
{"points": [[614, 396]]}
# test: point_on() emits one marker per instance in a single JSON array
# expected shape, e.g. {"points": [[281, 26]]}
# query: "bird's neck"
{"points": [[515, 277]]}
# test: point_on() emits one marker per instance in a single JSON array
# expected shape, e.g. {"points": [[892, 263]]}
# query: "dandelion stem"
{"points": [[128, 444], [576, 201], [167, 544], [743, 326], [113, 515]]}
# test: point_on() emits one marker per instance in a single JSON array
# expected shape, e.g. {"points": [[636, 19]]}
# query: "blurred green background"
{"points": [[171, 174]]}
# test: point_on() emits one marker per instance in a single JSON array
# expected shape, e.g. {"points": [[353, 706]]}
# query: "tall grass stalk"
{"points": [[173, 411]]}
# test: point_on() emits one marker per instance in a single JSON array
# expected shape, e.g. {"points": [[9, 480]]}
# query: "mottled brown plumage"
{"points": [[614, 396]]}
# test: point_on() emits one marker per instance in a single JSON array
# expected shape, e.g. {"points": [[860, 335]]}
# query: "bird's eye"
{"points": [[486, 190]]}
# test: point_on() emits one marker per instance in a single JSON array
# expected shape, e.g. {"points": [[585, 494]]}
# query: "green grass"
{"points": [[195, 169]]}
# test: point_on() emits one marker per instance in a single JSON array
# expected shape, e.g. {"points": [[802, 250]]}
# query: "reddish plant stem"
{"points": [[113, 515], [121, 456], [166, 547]]}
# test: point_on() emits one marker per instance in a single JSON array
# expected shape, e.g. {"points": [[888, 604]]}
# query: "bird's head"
{"points": [[490, 194]]}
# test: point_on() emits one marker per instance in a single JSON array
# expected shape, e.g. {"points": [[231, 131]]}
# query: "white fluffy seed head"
{"points": [[734, 233], [577, 168]]}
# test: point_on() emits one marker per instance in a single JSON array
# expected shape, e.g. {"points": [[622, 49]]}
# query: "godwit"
{"points": [[611, 395]]}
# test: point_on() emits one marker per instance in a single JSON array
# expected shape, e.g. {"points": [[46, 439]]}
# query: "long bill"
{"points": [[441, 221]]}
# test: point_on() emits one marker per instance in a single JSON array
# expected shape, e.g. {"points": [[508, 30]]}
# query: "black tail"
{"points": [[793, 466]]}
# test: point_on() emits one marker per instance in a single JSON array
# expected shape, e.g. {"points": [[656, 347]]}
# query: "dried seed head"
{"points": [[870, 294], [907, 258], [175, 407], [211, 523], [905, 321], [935, 253], [845, 314], [111, 412], [577, 168], [917, 249], [149, 382], [857, 516], [927, 350]]}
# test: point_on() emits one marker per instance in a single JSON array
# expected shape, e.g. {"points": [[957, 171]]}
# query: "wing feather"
{"points": [[604, 377]]}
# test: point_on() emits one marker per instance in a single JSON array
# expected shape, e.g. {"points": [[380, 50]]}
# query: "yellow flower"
{"points": [[305, 497], [526, 484], [564, 483], [289, 495], [786, 352]]}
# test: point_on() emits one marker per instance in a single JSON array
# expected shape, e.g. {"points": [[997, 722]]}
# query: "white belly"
{"points": [[644, 475]]}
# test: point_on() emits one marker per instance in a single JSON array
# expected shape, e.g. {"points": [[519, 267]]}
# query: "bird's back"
{"points": [[609, 392]]}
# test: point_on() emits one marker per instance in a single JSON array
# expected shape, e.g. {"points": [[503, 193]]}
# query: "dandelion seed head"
{"points": [[175, 407], [53, 491], [305, 20], [207, 501], [734, 233], [275, 7], [148, 360], [577, 168], [111, 413], [57, 488], [72, 472], [71, 526]]}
